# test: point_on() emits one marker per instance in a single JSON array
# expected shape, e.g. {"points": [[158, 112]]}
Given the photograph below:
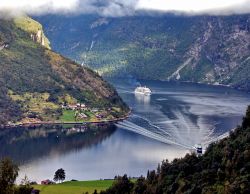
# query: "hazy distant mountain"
{"points": [[205, 49]]}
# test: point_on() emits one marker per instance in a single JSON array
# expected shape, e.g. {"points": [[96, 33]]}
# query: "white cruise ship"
{"points": [[142, 90]]}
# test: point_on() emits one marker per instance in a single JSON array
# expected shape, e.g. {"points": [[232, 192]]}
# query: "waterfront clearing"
{"points": [[75, 187]]}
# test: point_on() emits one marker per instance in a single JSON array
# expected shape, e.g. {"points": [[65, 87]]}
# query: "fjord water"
{"points": [[165, 125]]}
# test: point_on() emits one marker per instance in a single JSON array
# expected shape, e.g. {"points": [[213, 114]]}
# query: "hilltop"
{"points": [[36, 82], [207, 49]]}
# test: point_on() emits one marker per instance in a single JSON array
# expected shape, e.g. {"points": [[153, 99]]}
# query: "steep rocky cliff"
{"points": [[34, 28]]}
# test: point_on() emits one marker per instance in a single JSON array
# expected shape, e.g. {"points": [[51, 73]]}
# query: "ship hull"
{"points": [[143, 93]]}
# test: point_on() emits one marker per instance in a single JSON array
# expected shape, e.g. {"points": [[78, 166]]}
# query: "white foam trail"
{"points": [[215, 139], [92, 45], [206, 127], [192, 132], [166, 122], [140, 130], [152, 125], [191, 124]]}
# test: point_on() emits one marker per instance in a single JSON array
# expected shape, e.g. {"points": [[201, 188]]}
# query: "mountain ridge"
{"points": [[207, 49]]}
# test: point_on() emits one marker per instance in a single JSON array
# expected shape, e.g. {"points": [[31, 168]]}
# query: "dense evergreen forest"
{"points": [[224, 168]]}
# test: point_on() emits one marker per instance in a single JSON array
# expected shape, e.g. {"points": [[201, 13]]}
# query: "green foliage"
{"points": [[68, 116], [8, 175], [23, 189], [9, 110], [75, 187], [59, 175], [224, 168], [246, 119], [140, 186], [31, 71], [122, 185], [31, 26]]}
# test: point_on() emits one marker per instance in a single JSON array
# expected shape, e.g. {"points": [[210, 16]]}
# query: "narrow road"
{"points": [[176, 74]]}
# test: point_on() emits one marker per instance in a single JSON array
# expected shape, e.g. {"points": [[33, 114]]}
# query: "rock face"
{"points": [[39, 37], [34, 29], [3, 46], [206, 49], [3, 43]]}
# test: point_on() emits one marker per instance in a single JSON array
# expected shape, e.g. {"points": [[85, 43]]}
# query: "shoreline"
{"points": [[68, 123], [192, 82]]}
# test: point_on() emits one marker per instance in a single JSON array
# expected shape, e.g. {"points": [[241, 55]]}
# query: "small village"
{"points": [[81, 112]]}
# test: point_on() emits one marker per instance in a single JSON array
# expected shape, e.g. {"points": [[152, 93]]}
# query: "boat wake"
{"points": [[184, 117], [143, 131], [182, 131]]}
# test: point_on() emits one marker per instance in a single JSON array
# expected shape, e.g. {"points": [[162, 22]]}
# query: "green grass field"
{"points": [[68, 116], [74, 187]]}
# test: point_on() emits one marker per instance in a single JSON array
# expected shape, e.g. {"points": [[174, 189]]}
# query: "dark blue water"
{"points": [[163, 126], [183, 113]]}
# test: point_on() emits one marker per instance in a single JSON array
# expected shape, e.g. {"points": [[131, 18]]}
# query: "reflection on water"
{"points": [[26, 144], [183, 114], [122, 152], [162, 126], [141, 98]]}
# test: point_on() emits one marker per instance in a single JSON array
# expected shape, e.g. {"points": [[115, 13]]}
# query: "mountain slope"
{"points": [[199, 49], [35, 81], [223, 169]]}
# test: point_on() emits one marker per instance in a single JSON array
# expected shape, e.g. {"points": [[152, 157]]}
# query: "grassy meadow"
{"points": [[75, 187]]}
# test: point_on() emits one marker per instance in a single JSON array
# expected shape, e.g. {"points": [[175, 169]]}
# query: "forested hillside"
{"points": [[223, 169], [35, 81], [204, 49]]}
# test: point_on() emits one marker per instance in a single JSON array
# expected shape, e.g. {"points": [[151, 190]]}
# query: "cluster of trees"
{"points": [[8, 175], [8, 109], [224, 168]]}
